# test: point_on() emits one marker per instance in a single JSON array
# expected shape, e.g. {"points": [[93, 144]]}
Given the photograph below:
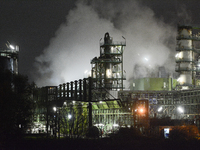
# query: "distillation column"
{"points": [[107, 69], [185, 57]]}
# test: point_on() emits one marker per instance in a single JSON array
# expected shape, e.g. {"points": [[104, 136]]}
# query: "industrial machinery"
{"points": [[101, 100], [107, 70], [95, 97], [187, 57]]}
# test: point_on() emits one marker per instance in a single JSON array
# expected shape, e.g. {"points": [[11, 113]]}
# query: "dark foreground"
{"points": [[99, 144]]}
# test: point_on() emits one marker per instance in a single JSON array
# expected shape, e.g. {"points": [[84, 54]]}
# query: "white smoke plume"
{"points": [[148, 39]]}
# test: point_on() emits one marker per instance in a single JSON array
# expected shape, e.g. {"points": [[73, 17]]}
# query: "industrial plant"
{"points": [[100, 100]]}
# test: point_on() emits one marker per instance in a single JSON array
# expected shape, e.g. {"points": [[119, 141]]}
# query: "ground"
{"points": [[99, 144]]}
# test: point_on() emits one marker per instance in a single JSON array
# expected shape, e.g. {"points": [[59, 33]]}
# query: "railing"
{"points": [[113, 43], [188, 37], [187, 69], [182, 48], [106, 61], [185, 60]]}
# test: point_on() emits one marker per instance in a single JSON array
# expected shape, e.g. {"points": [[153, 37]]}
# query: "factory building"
{"points": [[96, 97], [101, 100], [174, 98]]}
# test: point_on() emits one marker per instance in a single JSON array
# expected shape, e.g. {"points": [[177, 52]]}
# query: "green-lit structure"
{"points": [[153, 84], [89, 102]]}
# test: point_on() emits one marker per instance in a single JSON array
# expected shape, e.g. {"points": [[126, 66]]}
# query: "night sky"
{"points": [[33, 24]]}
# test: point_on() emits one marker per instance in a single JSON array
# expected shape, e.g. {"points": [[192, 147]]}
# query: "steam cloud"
{"points": [[148, 39]]}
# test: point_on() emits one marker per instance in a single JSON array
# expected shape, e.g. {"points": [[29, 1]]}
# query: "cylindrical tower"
{"points": [[185, 56], [9, 58]]}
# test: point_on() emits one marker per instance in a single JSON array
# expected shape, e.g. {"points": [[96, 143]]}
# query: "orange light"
{"points": [[141, 110]]}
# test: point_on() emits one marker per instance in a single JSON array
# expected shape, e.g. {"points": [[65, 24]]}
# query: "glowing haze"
{"points": [[148, 39]]}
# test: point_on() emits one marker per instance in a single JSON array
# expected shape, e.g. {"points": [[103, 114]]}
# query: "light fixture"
{"points": [[54, 108], [180, 109], [12, 47], [160, 109], [69, 116]]}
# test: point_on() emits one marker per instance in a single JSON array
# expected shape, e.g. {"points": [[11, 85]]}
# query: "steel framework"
{"points": [[170, 101]]}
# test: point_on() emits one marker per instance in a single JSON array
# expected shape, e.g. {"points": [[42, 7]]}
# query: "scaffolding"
{"points": [[168, 103], [107, 70]]}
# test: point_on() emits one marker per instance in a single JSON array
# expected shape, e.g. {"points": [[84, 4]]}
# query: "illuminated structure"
{"points": [[168, 103], [153, 84], [9, 58], [141, 114], [107, 70], [91, 101], [101, 101], [187, 57]]}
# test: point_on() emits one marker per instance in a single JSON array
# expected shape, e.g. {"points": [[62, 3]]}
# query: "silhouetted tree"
{"points": [[16, 104]]}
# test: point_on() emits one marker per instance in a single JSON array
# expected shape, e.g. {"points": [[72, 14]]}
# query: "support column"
{"points": [[89, 100]]}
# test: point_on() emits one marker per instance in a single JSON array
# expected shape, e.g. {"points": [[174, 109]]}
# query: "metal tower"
{"points": [[9, 58], [186, 57], [107, 70]]}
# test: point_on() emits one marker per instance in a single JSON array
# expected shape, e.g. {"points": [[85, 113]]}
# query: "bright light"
{"points": [[180, 79], [108, 73], [180, 109], [166, 132], [159, 109], [178, 55], [54, 108], [86, 71], [146, 59], [11, 46], [115, 125], [100, 125], [100, 101], [112, 49], [69, 116], [141, 110]]}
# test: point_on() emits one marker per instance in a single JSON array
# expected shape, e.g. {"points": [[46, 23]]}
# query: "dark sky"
{"points": [[32, 24]]}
